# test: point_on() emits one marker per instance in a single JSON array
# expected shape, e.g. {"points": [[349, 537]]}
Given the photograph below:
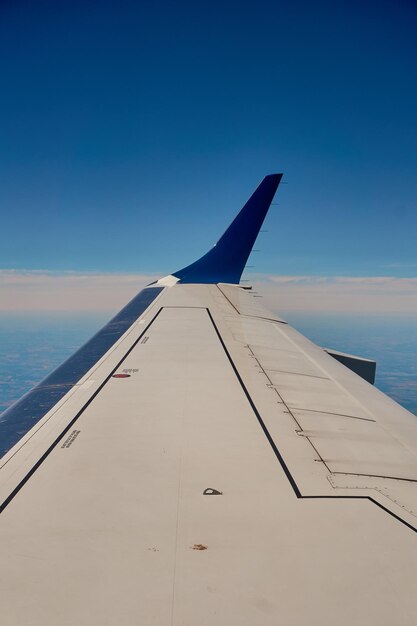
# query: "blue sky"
{"points": [[131, 132]]}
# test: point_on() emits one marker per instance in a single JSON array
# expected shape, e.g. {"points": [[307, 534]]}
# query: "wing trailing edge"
{"points": [[225, 262]]}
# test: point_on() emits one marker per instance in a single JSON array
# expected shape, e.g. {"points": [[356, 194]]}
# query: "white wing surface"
{"points": [[200, 462]]}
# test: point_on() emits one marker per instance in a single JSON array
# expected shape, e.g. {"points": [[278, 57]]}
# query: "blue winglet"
{"points": [[225, 262]]}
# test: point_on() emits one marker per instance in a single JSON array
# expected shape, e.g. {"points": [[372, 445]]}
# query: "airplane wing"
{"points": [[200, 462]]}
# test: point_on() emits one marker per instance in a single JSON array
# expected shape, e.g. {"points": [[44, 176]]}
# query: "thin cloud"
{"points": [[344, 294], [43, 290]]}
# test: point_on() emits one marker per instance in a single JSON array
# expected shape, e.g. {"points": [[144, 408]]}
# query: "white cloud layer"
{"points": [[42, 290], [367, 294], [49, 291]]}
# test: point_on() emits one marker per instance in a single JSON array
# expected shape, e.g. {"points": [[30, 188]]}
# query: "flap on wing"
{"points": [[359, 446], [365, 368], [352, 426]]}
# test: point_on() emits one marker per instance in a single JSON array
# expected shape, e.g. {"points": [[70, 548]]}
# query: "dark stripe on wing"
{"points": [[23, 415]]}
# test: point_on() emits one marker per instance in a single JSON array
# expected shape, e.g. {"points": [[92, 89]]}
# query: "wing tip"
{"points": [[226, 261]]}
